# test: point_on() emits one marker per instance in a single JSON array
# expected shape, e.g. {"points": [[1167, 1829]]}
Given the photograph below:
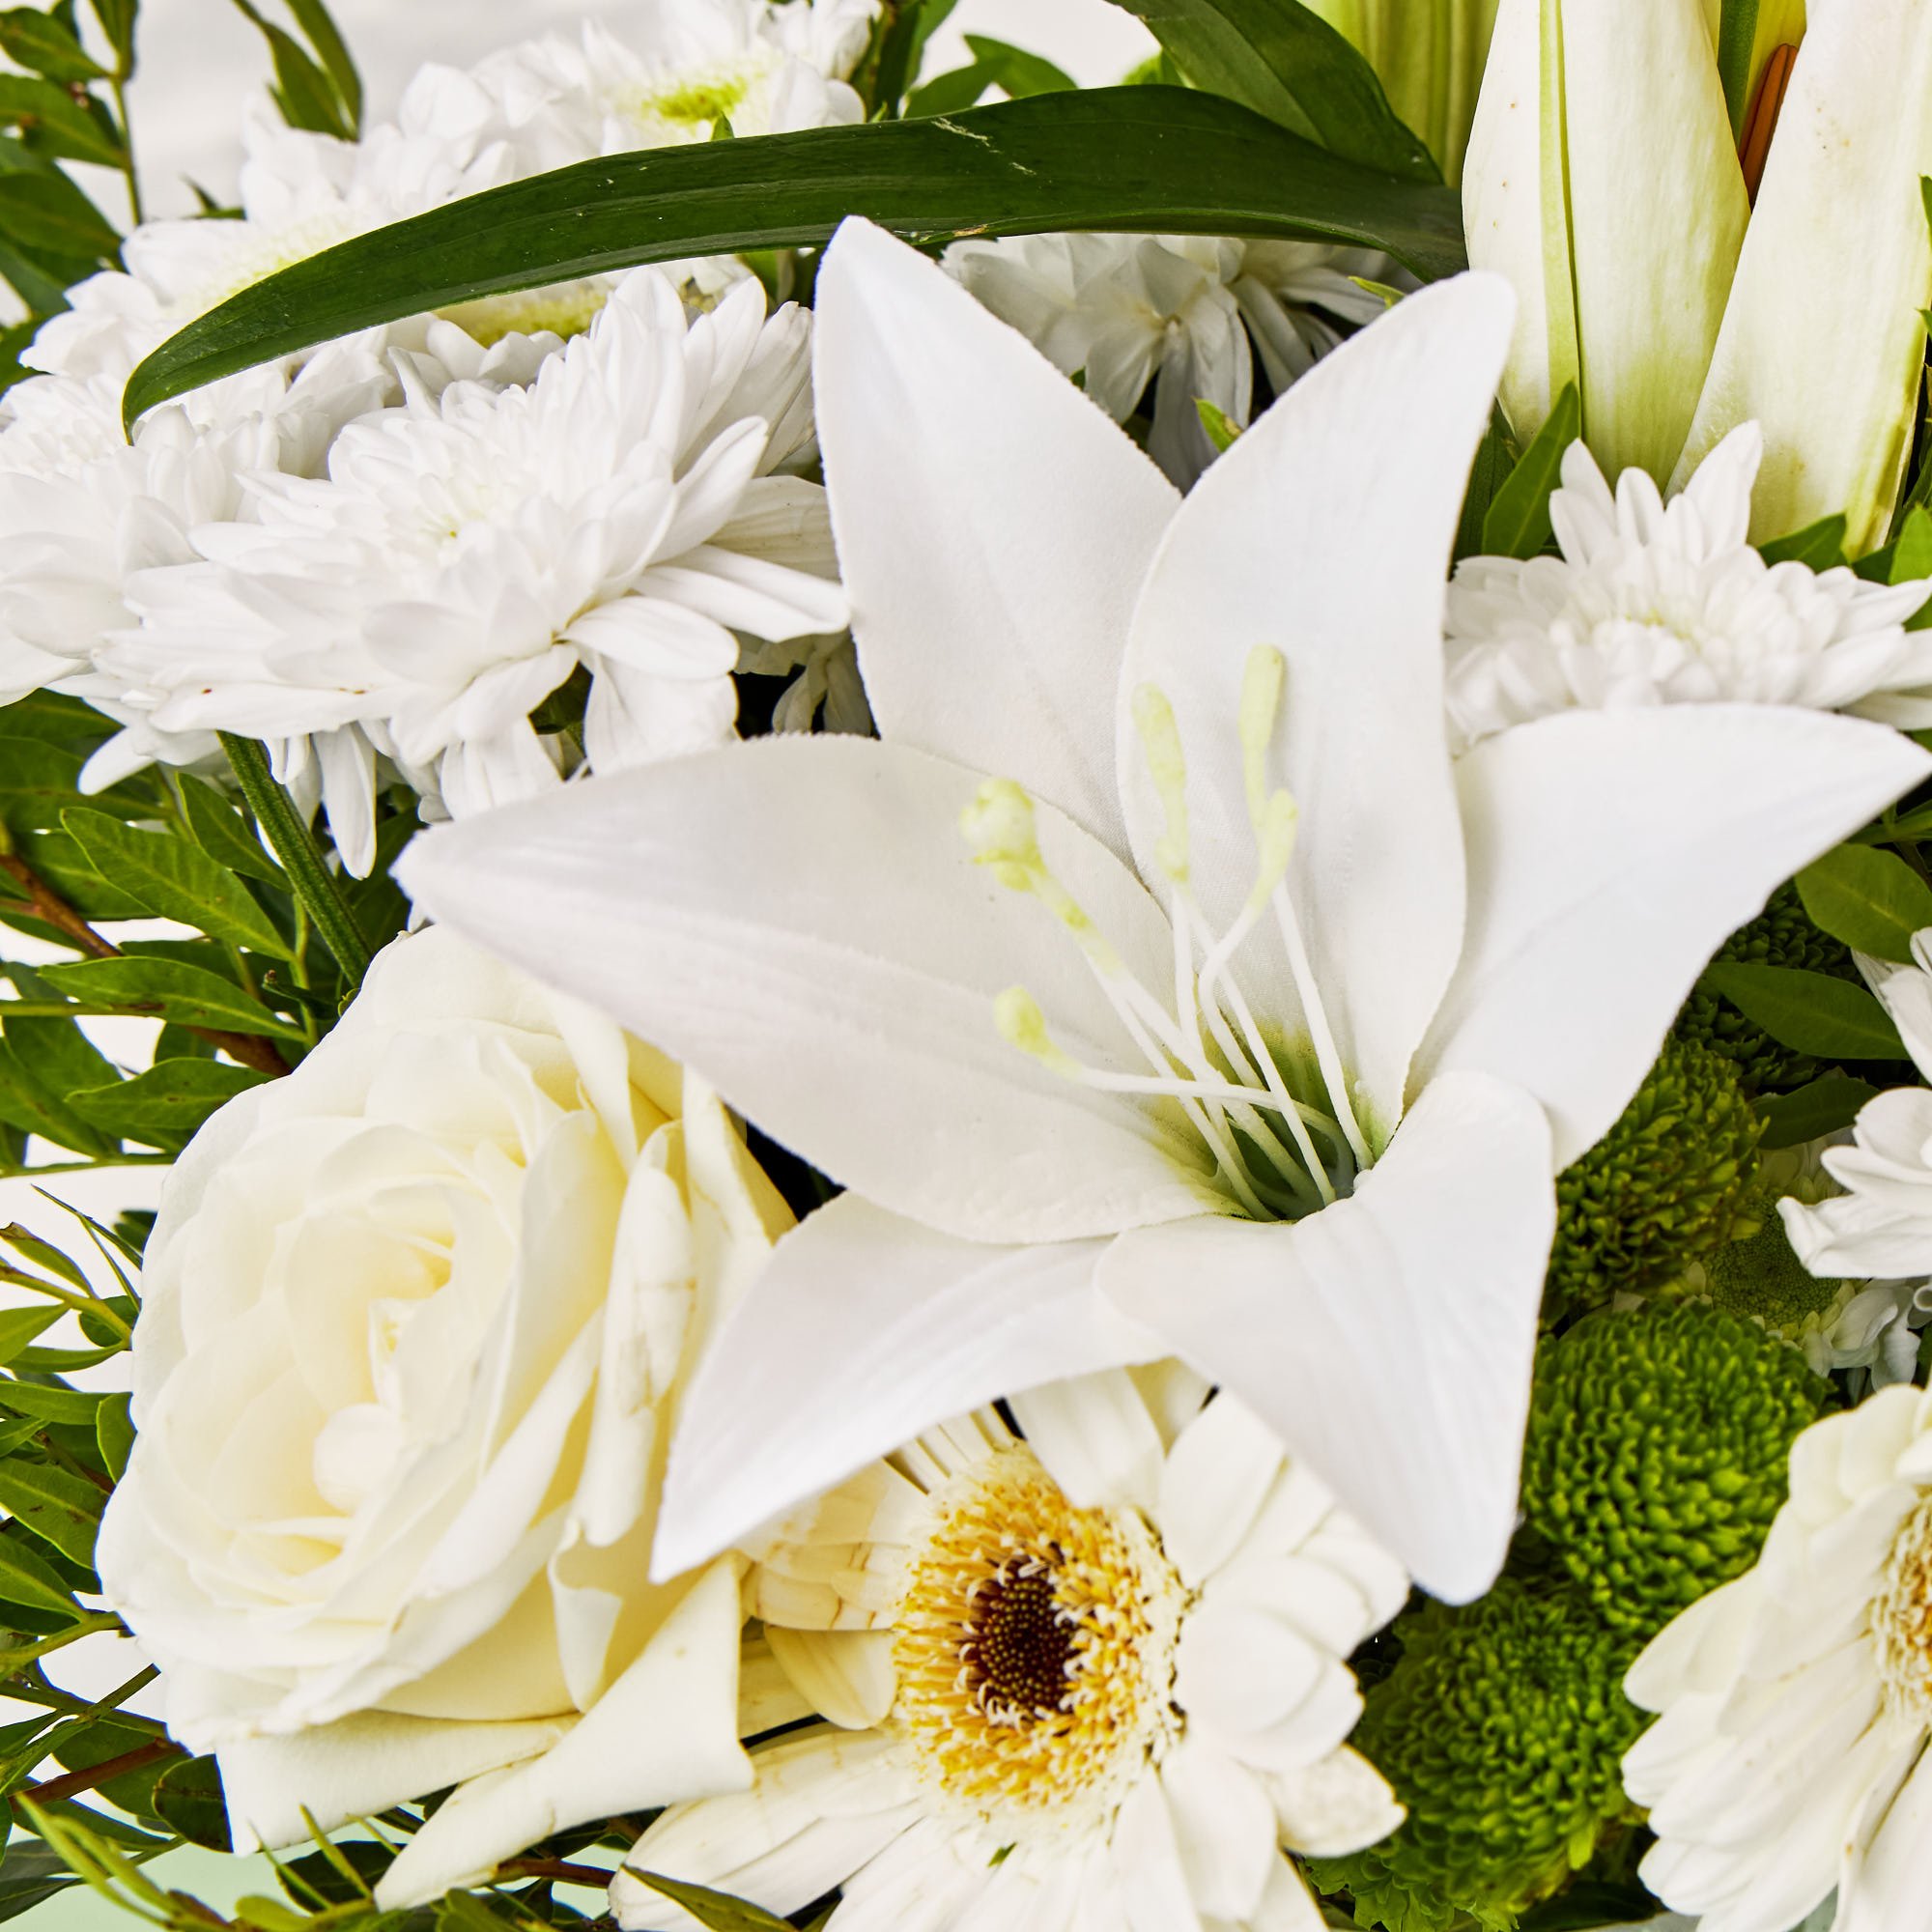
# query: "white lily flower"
{"points": [[1186, 1062], [1603, 168]]}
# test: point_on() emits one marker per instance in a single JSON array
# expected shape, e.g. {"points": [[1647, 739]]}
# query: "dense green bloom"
{"points": [[1667, 1184], [1500, 1729], [1780, 935], [1762, 1278], [1657, 1454]]}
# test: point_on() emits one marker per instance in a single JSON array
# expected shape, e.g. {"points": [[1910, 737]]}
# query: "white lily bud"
{"points": [[1429, 56], [1823, 341], [1602, 180]]}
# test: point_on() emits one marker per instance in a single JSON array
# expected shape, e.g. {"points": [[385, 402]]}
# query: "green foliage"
{"points": [[1782, 935], [1809, 1013], [316, 87], [1820, 1107], [714, 1910], [1819, 546], [1869, 900], [1517, 523], [1284, 60], [1668, 1184], [1015, 73], [1657, 1454], [1123, 158], [1500, 1729]]}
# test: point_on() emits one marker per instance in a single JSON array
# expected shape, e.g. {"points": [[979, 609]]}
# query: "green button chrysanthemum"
{"points": [[1657, 1454], [1500, 1729], [1670, 1183], [1780, 935]]}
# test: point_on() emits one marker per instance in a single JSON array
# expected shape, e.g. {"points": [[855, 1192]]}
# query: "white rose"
{"points": [[417, 1321]]}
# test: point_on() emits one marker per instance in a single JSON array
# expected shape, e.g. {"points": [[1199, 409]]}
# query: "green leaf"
{"points": [[303, 90], [189, 994], [1822, 1107], [33, 1873], [1222, 432], [114, 1431], [47, 1403], [1871, 900], [1736, 35], [1017, 74], [19, 1325], [1486, 475], [188, 1798], [59, 1508], [60, 862], [1129, 158], [40, 778], [40, 43], [117, 19], [313, 17], [176, 879], [223, 834], [46, 213], [1589, 1905], [1820, 546], [1284, 61], [30, 1579], [28, 1103], [1811, 1012], [714, 1910], [168, 1102], [43, 1255], [1517, 523], [51, 119]]}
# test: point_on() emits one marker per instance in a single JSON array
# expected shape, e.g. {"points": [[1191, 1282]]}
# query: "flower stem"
{"points": [[315, 885], [90, 1777]]}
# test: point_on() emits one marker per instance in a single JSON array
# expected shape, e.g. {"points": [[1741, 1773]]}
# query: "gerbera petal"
{"points": [[993, 527], [862, 1330], [801, 920], [1388, 1339], [1308, 537], [1611, 855], [1887, 1870]]}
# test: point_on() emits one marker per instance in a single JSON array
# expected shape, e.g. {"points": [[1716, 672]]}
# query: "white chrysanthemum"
{"points": [[1655, 603], [1119, 310], [1101, 1663], [1795, 1702], [468, 552]]}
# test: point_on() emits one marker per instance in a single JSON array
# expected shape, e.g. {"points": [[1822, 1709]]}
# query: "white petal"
{"points": [[1610, 854], [862, 1330], [1306, 536], [993, 527], [1096, 1438], [1217, 1476], [665, 1730], [1887, 1870], [1224, 1827], [800, 920], [1336, 1805], [1388, 1339], [358, 1766], [846, 1674]]}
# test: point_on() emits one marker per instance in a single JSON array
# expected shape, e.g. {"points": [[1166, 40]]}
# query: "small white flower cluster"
{"points": [[395, 548]]}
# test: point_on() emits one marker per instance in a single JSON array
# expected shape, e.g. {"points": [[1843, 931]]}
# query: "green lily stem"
{"points": [[316, 887]]}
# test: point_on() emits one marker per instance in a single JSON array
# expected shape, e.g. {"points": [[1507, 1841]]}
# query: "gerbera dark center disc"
{"points": [[1019, 1645]]}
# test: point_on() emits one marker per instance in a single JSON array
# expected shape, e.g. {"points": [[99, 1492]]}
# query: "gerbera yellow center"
{"points": [[1902, 1619], [1034, 1648]]}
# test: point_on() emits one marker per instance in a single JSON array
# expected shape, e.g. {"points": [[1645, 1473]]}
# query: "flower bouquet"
{"points": [[1038, 980]]}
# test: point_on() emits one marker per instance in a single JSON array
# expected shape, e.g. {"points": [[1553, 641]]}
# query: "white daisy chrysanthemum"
{"points": [[1656, 603], [1119, 310], [1102, 1663], [1795, 1702], [1882, 1224], [468, 552]]}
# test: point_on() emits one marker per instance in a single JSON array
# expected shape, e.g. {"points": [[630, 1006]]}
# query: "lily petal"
{"points": [[993, 527], [1326, 532], [1822, 340], [802, 921], [1610, 854], [1387, 1339], [862, 1330]]}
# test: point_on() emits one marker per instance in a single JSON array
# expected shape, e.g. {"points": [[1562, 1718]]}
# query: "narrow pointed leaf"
{"points": [[716, 1910], [1127, 159], [1811, 1012], [1871, 900], [1517, 523], [1284, 61], [62, 1509], [176, 879]]}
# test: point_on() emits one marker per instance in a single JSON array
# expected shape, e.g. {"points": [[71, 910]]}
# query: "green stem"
{"points": [[118, 85], [315, 885]]}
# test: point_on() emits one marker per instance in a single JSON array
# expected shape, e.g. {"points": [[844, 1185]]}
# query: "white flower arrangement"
{"points": [[1005, 1076]]}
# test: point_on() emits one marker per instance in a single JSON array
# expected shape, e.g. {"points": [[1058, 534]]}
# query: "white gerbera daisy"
{"points": [[1795, 1702], [468, 552], [1119, 310], [1103, 1663], [1655, 603]]}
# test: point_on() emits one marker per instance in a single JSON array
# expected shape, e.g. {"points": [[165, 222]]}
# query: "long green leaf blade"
{"points": [[1287, 63], [1124, 158]]}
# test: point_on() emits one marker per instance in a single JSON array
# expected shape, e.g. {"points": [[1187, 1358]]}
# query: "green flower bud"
{"points": [[1500, 1729], [1657, 1455], [1670, 1183]]}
